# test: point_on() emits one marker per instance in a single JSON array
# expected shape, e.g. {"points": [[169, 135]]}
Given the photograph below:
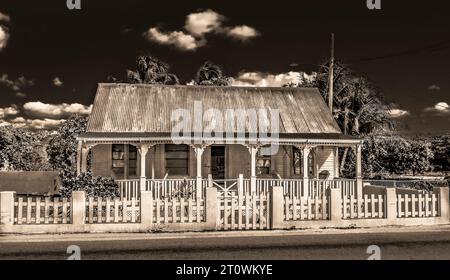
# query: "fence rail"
{"points": [[41, 210]]}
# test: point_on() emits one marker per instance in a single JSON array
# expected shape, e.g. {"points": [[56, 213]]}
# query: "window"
{"points": [[177, 159], [118, 159], [298, 162], [132, 160], [124, 156], [263, 163]]}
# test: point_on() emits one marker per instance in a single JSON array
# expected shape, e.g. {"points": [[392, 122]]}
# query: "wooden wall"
{"points": [[237, 161]]}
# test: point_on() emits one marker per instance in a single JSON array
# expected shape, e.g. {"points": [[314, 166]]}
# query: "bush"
{"points": [[93, 186]]}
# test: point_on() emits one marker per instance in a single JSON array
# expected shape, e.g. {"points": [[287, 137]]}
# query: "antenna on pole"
{"points": [[331, 76]]}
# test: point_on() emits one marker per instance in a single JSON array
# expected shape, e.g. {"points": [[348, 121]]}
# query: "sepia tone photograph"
{"points": [[224, 131]]}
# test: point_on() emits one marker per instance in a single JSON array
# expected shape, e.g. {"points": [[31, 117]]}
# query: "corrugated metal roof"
{"points": [[131, 108]]}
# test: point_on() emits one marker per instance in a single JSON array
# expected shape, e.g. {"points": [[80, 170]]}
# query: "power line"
{"points": [[430, 48]]}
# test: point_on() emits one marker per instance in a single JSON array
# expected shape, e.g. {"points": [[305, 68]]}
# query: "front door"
{"points": [[218, 162]]}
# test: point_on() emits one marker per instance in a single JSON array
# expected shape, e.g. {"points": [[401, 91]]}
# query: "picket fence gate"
{"points": [[178, 210], [239, 211]]}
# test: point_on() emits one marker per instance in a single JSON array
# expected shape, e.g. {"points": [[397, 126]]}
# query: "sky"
{"points": [[51, 58]]}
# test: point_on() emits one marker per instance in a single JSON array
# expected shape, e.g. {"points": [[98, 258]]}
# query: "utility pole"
{"points": [[331, 76]]}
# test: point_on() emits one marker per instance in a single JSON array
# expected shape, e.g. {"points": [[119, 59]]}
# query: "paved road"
{"points": [[345, 245]]}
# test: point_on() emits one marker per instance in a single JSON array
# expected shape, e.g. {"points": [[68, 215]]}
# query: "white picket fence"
{"points": [[417, 205], [179, 210], [112, 210], [305, 208], [41, 210], [368, 207], [238, 211]]}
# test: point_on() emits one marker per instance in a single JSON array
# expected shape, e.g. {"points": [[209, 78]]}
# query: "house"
{"points": [[131, 135], [31, 183]]}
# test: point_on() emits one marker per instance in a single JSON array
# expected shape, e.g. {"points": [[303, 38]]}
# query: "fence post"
{"points": [[335, 205], [391, 204], [241, 184], [7, 208], [78, 208], [146, 209], [276, 207], [443, 196], [212, 209]]}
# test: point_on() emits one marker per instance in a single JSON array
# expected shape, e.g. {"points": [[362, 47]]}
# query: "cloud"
{"points": [[57, 82], [17, 84], [440, 109], [8, 111], [21, 94], [36, 123], [39, 109], [197, 25], [4, 17], [179, 39], [398, 113], [434, 88], [242, 32], [260, 79], [201, 23], [4, 37]]}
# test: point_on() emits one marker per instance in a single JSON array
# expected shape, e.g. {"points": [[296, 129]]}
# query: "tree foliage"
{"points": [[62, 148], [441, 149], [62, 152], [150, 70], [210, 74], [22, 149], [383, 156]]}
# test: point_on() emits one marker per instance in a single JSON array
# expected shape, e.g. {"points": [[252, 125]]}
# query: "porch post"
{"points": [[253, 149], [79, 151], [84, 154], [336, 162], [199, 153], [306, 151], [143, 150], [359, 183]]}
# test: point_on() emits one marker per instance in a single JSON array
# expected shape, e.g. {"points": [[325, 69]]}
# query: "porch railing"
{"points": [[129, 189], [173, 188]]}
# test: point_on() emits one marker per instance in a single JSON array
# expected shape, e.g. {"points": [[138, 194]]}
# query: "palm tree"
{"points": [[210, 74], [358, 107], [151, 70]]}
